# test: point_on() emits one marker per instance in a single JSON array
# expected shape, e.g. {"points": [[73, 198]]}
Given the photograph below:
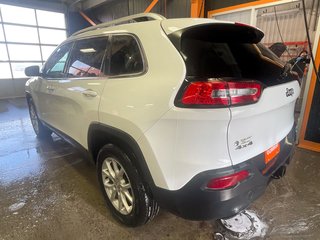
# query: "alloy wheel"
{"points": [[117, 186]]}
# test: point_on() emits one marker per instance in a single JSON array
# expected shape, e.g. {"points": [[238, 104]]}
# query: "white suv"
{"points": [[193, 115]]}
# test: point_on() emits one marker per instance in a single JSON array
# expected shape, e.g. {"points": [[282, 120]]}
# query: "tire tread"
{"points": [[147, 207]]}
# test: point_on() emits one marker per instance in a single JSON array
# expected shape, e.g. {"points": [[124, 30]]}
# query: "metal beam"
{"points": [[87, 4], [197, 8], [152, 4], [87, 18]]}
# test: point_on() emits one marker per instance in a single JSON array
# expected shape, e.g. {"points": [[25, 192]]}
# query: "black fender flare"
{"points": [[100, 134]]}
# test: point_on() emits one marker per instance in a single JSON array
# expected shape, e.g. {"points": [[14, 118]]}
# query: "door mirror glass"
{"points": [[32, 71]]}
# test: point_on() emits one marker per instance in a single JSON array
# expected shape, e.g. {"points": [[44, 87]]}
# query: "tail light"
{"points": [[219, 93], [229, 181]]}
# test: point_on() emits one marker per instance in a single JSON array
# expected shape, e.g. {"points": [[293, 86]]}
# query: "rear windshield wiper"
{"points": [[285, 70]]}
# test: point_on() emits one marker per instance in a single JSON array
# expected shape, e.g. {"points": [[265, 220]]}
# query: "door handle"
{"points": [[89, 93]]}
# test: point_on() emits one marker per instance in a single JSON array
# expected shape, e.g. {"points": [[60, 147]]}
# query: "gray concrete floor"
{"points": [[48, 191]]}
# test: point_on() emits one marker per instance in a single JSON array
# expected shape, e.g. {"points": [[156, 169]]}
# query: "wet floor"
{"points": [[48, 191]]}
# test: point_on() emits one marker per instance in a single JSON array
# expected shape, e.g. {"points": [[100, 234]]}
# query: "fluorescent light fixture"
{"points": [[87, 50]]}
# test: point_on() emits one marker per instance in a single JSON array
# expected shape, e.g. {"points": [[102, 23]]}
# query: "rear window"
{"points": [[227, 52]]}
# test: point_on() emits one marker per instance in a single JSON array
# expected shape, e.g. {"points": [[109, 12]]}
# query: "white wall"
{"points": [[243, 17], [291, 26], [10, 88]]}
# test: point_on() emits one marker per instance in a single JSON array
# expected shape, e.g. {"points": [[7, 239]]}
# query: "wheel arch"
{"points": [[28, 96], [30, 99], [100, 134]]}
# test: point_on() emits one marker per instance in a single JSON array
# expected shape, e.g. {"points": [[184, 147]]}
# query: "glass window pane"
{"points": [[86, 58], [54, 67], [18, 69], [3, 52], [21, 34], [5, 70], [50, 19], [19, 52], [15, 14], [125, 56], [46, 51], [50, 36], [1, 33]]}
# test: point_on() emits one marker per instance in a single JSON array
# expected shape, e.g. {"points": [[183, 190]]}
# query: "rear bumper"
{"points": [[195, 202]]}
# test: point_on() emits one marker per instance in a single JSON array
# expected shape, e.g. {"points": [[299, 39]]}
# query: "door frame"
{"points": [[308, 97]]}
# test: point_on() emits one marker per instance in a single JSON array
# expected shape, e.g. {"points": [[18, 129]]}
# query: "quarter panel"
{"points": [[184, 143]]}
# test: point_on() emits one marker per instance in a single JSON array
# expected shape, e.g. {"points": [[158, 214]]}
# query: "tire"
{"points": [[40, 130], [119, 179]]}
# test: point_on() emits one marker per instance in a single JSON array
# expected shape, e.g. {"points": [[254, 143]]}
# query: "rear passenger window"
{"points": [[87, 57], [125, 57]]}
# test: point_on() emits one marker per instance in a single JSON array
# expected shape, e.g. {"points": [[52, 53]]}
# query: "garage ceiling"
{"points": [[81, 4], [58, 5]]}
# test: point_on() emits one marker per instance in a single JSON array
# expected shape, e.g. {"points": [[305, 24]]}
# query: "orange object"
{"points": [[197, 8], [152, 4], [87, 18], [271, 153], [303, 143], [236, 7]]}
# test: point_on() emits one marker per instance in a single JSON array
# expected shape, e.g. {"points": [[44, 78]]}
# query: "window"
{"points": [[125, 56], [54, 67], [17, 33], [47, 51], [5, 70], [27, 37], [3, 52], [21, 52], [209, 53], [52, 36], [87, 56], [50, 19], [1, 33], [20, 15]]}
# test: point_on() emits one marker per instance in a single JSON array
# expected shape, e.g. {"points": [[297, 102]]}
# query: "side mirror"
{"points": [[32, 71]]}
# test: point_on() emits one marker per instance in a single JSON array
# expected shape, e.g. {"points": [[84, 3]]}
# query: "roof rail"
{"points": [[142, 17]]}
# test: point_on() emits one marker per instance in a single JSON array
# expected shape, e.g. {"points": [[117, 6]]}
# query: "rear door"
{"points": [[77, 97]]}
